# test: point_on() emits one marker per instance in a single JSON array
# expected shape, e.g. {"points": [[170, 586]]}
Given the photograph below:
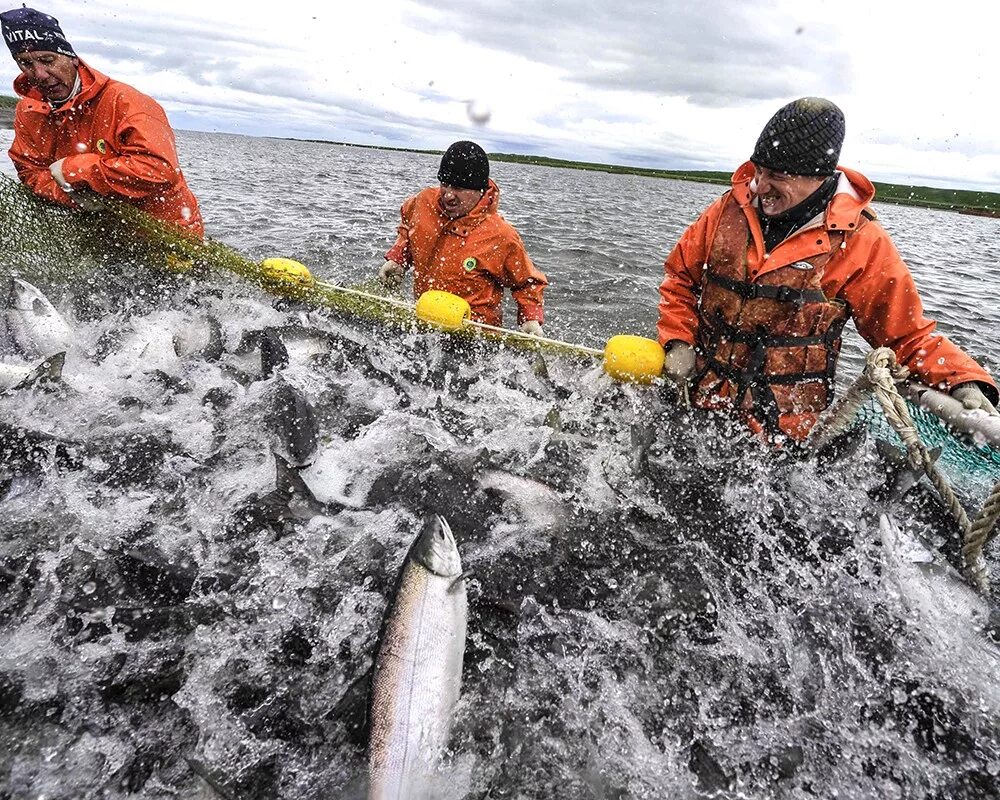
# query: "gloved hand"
{"points": [[56, 169], [972, 397], [678, 364], [532, 327], [391, 274]]}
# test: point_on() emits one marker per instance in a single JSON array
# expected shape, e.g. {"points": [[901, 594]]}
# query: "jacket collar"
{"points": [[854, 193], [91, 83]]}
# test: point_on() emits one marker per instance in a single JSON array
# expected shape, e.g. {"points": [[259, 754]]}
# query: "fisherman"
{"points": [[76, 129], [757, 291], [456, 241]]}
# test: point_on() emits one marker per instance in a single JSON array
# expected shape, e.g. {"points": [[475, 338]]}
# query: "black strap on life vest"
{"points": [[753, 291], [752, 378]]}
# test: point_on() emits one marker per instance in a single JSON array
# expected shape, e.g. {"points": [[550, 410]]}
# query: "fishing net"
{"points": [[51, 246], [962, 459]]}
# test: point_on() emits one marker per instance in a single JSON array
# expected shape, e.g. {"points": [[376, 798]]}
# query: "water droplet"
{"points": [[479, 114], [81, 147], [89, 587]]}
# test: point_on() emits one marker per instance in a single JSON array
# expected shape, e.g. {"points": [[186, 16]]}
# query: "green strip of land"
{"points": [[961, 200]]}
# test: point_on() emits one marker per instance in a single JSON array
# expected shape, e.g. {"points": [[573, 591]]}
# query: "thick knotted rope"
{"points": [[881, 376], [883, 373]]}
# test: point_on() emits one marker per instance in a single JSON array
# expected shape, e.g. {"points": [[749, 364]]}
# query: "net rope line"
{"points": [[880, 377]]}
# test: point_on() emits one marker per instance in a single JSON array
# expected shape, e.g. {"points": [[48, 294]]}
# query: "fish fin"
{"points": [[49, 370], [454, 584]]}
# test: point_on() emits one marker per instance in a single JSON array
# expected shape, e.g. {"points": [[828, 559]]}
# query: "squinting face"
{"points": [[457, 202], [779, 191], [53, 74]]}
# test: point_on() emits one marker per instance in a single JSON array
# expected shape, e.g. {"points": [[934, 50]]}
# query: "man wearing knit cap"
{"points": [[758, 289], [456, 241], [79, 133]]}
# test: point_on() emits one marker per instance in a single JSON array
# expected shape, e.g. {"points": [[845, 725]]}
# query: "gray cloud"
{"points": [[714, 53]]}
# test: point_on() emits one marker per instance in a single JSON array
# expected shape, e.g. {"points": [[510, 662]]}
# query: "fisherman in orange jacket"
{"points": [[758, 289], [77, 129], [456, 241]]}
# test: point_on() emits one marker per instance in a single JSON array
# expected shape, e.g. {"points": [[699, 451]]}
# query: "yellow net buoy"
{"points": [[287, 276], [443, 309], [634, 359]]}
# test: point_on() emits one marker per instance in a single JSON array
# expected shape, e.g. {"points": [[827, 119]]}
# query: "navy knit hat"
{"points": [[465, 166], [802, 138], [25, 29]]}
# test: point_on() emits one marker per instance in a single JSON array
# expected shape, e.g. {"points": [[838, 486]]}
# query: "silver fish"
{"points": [[417, 676], [951, 620], [39, 330], [21, 376]]}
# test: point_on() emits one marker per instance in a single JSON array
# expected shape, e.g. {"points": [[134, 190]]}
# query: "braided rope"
{"points": [[984, 527], [883, 373]]}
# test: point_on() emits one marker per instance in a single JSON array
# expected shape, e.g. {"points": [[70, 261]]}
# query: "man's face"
{"points": [[457, 202], [779, 191], [53, 74]]}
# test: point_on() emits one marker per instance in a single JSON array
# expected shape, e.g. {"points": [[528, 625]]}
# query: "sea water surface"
{"points": [[659, 607]]}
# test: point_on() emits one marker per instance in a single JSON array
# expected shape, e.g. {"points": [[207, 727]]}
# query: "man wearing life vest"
{"points": [[757, 291], [456, 241], [76, 129]]}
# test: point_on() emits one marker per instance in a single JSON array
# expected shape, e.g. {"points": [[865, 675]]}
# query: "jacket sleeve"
{"points": [[682, 278], [145, 161], [526, 282], [400, 251], [31, 160], [888, 312]]}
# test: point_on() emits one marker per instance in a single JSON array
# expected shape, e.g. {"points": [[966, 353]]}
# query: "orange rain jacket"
{"points": [[116, 142], [715, 281], [473, 256]]}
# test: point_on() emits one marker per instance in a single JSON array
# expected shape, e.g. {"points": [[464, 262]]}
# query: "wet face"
{"points": [[457, 202], [779, 191], [53, 74]]}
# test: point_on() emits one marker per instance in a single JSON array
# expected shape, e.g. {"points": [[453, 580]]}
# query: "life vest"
{"points": [[769, 347]]}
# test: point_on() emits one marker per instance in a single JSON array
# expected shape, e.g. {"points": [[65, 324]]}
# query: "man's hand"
{"points": [[391, 274], [57, 173], [532, 327], [679, 361], [972, 397]]}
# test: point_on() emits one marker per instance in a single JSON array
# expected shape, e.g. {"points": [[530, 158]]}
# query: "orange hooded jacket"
{"points": [[866, 272], [115, 140], [474, 256]]}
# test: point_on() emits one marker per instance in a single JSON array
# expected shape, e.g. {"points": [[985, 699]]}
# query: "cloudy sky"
{"points": [[661, 83]]}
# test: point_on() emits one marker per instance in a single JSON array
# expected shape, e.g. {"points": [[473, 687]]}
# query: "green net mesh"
{"points": [[962, 460]]}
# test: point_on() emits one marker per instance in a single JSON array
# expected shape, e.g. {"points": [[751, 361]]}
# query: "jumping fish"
{"points": [[39, 330], [21, 376], [418, 671]]}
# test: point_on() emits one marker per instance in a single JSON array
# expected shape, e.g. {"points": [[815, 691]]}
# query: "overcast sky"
{"points": [[644, 82]]}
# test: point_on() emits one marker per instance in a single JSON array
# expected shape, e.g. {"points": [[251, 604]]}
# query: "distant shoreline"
{"points": [[963, 201]]}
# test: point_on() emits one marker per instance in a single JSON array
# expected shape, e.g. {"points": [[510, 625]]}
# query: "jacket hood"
{"points": [[91, 82], [854, 193]]}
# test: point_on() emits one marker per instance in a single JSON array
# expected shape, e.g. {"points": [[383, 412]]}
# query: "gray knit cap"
{"points": [[802, 138]]}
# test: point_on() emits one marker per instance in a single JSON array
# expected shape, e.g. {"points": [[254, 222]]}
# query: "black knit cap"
{"points": [[464, 165], [25, 29], [802, 138]]}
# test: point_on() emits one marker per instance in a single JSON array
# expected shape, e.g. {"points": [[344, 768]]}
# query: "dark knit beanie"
{"points": [[465, 166], [802, 138], [25, 29]]}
